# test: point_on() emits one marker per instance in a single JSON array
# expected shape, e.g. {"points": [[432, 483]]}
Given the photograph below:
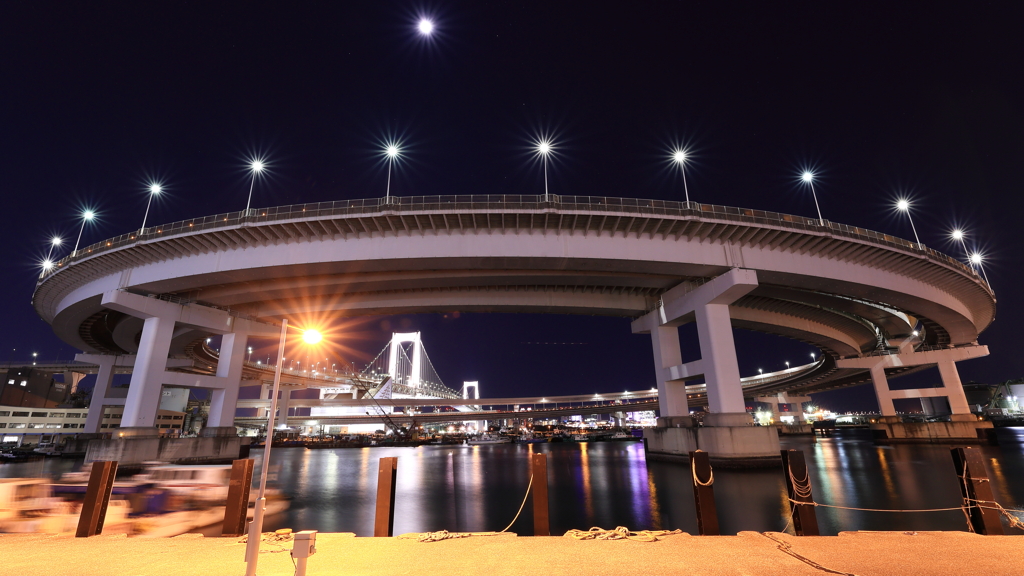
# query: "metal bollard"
{"points": [[704, 493], [798, 486], [539, 470], [237, 505], [303, 547], [97, 496], [975, 487], [384, 522]]}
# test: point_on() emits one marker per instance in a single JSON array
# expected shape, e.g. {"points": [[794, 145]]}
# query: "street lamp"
{"points": [[252, 547], [250, 353], [976, 259], [256, 167], [903, 205], [787, 365], [54, 242], [392, 151], [679, 157], [958, 235], [808, 177], [425, 26], [154, 189], [87, 216], [543, 149]]}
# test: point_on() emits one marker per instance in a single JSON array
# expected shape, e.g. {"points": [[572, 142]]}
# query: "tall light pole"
{"points": [[87, 216], [252, 546], [544, 150], [903, 205], [958, 235], [392, 151], [808, 177], [976, 259], [54, 242], [256, 167], [154, 189], [679, 157]]}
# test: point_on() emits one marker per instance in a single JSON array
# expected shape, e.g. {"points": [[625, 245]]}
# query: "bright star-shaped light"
{"points": [[976, 258], [958, 234], [902, 205], [257, 165], [311, 336], [807, 176], [426, 27], [679, 156], [392, 151], [155, 188], [56, 241], [47, 264], [88, 214], [544, 147]]}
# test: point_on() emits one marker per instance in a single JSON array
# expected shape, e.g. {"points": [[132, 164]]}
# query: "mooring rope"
{"points": [[696, 480], [446, 535], [620, 533]]}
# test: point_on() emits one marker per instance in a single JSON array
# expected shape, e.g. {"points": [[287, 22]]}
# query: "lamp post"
{"points": [[903, 205], [392, 151], [958, 235], [252, 547], [976, 259], [544, 149], [87, 216], [154, 189], [256, 167], [808, 177], [54, 242], [679, 157]]}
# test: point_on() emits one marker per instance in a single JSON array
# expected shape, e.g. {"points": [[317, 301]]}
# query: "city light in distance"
{"points": [[425, 26]]}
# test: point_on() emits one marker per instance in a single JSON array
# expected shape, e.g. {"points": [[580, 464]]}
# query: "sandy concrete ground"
{"points": [[749, 553]]}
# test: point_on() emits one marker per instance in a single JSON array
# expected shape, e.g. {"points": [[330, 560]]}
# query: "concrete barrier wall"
{"points": [[139, 450]]}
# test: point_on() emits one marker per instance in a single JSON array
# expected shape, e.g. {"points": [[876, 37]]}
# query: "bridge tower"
{"points": [[465, 390], [397, 339]]}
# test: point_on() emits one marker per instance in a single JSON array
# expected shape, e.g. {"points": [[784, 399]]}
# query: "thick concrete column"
{"points": [[264, 395], [282, 407], [882, 391], [150, 363], [224, 401], [104, 378], [953, 387], [718, 356], [671, 393]]}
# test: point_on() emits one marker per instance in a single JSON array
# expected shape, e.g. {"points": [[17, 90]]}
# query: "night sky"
{"points": [[881, 100]]}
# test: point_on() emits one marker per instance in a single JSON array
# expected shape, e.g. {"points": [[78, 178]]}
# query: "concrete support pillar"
{"points": [[224, 401], [72, 379], [150, 363], [282, 407], [718, 355], [671, 393], [264, 395], [882, 391], [953, 387], [104, 378]]}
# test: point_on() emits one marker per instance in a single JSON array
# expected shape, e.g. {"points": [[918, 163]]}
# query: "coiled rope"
{"points": [[620, 533], [696, 480]]}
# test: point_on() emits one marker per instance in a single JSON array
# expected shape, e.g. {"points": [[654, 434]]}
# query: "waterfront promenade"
{"points": [[748, 553]]}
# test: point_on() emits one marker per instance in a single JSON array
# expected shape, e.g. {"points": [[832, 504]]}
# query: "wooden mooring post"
{"points": [[704, 493], [387, 474], [976, 490], [541, 518], [97, 496], [798, 486], [237, 506]]}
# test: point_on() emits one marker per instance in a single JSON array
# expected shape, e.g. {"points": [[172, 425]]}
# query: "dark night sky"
{"points": [[881, 99]]}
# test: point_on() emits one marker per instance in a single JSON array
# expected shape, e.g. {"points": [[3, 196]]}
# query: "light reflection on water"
{"points": [[610, 484]]}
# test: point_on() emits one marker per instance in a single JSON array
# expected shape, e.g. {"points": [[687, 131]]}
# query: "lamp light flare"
{"points": [[544, 147], [47, 265], [311, 336], [425, 26], [56, 241], [958, 234], [256, 166], [88, 214], [155, 189], [976, 258], [807, 177], [679, 156], [392, 151], [902, 205]]}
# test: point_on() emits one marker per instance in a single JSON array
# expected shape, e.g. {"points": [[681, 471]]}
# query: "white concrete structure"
{"points": [[854, 293]]}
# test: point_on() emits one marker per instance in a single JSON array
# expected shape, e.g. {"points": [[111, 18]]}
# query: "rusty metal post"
{"points": [[976, 489], [384, 522], [541, 515], [237, 507], [704, 493], [798, 486], [97, 496]]}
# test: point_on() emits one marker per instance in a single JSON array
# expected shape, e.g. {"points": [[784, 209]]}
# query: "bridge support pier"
{"points": [[282, 407], [962, 427], [728, 434], [104, 378]]}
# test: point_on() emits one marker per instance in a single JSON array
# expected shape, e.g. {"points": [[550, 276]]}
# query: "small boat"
{"points": [[488, 439]]}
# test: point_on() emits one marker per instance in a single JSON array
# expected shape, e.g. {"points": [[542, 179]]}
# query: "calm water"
{"points": [[480, 488]]}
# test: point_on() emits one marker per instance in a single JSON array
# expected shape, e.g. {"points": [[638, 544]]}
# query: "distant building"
{"points": [[31, 388], [20, 425]]}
